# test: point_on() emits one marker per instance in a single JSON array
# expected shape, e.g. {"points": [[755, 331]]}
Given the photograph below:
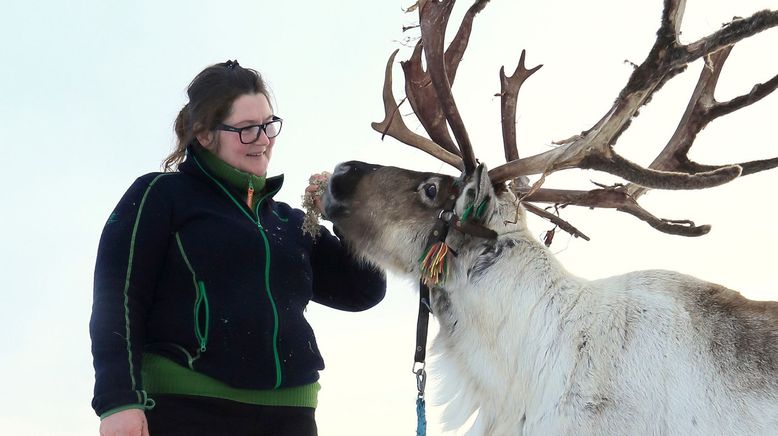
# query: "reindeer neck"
{"points": [[491, 274], [500, 316]]}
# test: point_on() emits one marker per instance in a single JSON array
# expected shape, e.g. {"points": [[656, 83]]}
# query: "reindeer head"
{"points": [[426, 206], [387, 214]]}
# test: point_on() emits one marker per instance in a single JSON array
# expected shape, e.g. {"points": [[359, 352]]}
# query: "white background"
{"points": [[89, 91]]}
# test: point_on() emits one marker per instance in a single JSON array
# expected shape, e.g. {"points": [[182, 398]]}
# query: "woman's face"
{"points": [[248, 109]]}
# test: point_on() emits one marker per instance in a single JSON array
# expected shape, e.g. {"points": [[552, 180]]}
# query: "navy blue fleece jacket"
{"points": [[187, 270]]}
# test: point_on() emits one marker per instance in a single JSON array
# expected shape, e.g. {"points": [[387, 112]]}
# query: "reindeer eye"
{"points": [[430, 190]]}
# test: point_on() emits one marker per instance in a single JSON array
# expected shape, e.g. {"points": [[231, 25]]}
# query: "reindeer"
{"points": [[529, 347]]}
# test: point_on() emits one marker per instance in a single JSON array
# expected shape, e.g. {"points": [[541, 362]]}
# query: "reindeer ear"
{"points": [[476, 197]]}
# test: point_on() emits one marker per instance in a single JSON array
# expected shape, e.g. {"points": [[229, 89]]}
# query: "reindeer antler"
{"points": [[593, 149], [434, 105], [394, 126], [434, 17], [509, 95], [701, 110], [432, 101]]}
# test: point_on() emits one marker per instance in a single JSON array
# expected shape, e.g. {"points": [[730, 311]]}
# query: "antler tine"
{"points": [[564, 225], [424, 101], [456, 49], [615, 198], [434, 17], [731, 33], [394, 126], [509, 95], [583, 153]]}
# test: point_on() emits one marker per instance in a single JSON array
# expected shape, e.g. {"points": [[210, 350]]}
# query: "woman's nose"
{"points": [[262, 139]]}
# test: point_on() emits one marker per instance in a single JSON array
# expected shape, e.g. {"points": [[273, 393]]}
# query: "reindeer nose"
{"points": [[341, 169], [346, 176]]}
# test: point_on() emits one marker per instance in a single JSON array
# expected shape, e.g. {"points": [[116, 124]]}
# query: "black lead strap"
{"points": [[422, 326], [422, 323]]}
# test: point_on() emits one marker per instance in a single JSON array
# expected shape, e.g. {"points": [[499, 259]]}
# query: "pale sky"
{"points": [[89, 90]]}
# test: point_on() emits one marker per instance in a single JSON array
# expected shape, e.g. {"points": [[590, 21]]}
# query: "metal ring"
{"points": [[446, 215]]}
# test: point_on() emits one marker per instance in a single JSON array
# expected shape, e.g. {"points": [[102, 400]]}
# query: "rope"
{"points": [[421, 418], [421, 422]]}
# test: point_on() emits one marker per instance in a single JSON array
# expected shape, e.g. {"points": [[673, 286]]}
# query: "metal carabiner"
{"points": [[421, 378]]}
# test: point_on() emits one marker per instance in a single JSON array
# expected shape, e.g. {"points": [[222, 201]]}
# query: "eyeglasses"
{"points": [[250, 134]]}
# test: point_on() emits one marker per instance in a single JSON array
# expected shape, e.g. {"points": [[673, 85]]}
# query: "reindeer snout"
{"points": [[346, 177], [342, 185], [342, 168]]}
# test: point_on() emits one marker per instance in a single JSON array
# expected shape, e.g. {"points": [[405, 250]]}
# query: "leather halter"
{"points": [[447, 218]]}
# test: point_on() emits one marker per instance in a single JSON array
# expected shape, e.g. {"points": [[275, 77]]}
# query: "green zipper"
{"points": [[269, 294], [202, 301], [256, 221]]}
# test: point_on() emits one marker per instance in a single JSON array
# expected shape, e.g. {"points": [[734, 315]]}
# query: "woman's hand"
{"points": [[130, 422]]}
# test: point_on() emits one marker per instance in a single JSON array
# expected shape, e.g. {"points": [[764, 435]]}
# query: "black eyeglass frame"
{"points": [[262, 128]]}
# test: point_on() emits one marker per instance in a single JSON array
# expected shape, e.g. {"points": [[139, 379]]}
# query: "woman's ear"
{"points": [[206, 139]]}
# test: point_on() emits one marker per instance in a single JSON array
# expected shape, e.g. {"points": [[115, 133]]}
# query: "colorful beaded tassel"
{"points": [[434, 264]]}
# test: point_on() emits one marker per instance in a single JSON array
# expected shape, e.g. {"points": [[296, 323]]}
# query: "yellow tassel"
{"points": [[434, 265]]}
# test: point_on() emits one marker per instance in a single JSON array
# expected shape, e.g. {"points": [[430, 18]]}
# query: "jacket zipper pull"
{"points": [[250, 193]]}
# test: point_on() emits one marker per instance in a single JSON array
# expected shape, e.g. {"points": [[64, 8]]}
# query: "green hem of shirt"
{"points": [[163, 376], [121, 409]]}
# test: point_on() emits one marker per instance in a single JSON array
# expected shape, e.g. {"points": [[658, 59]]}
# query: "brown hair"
{"points": [[211, 95]]}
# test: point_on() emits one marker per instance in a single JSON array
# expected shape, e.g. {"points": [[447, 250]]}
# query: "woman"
{"points": [[202, 280]]}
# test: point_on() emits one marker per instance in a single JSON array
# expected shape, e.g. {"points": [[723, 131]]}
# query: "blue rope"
{"points": [[421, 424]]}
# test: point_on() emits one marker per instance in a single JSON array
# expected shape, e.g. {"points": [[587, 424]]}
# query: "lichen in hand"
{"points": [[312, 213]]}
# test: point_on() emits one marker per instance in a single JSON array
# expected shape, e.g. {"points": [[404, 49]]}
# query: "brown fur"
{"points": [[742, 332]]}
